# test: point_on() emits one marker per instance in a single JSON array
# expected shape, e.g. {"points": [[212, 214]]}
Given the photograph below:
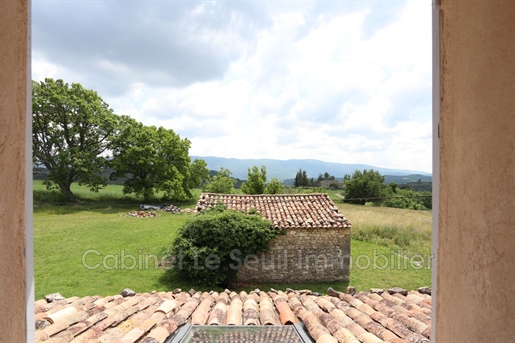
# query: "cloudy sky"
{"points": [[338, 81]]}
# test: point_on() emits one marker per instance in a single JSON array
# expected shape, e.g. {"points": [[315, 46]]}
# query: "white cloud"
{"points": [[297, 83]]}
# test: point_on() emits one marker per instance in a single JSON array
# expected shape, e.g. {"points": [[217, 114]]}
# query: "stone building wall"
{"points": [[301, 255]]}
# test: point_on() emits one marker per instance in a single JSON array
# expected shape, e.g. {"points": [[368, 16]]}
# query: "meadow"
{"points": [[95, 248]]}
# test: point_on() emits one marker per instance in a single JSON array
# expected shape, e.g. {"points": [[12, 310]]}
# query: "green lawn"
{"points": [[94, 248], [112, 194]]}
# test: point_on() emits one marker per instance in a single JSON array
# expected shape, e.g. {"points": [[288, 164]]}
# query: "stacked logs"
{"points": [[142, 214]]}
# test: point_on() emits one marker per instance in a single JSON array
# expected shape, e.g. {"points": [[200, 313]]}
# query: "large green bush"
{"points": [[363, 186], [406, 198], [367, 188], [210, 246]]}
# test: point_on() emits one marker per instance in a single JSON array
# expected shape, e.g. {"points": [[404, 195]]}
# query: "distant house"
{"points": [[316, 245]]}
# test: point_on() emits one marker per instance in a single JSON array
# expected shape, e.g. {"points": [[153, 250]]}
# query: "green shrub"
{"points": [[406, 198], [208, 245]]}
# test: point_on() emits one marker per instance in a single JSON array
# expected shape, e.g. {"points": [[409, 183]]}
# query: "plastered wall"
{"points": [[13, 108], [476, 240]]}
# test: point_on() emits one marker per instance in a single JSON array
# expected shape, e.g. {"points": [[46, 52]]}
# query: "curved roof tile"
{"points": [[283, 210], [152, 317]]}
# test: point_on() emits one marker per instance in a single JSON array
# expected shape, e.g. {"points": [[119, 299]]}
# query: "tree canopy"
{"points": [[325, 176], [221, 183], [152, 159], [256, 180], [363, 185], [368, 186], [74, 130], [274, 187], [302, 180], [256, 183], [71, 130], [399, 197], [198, 173]]}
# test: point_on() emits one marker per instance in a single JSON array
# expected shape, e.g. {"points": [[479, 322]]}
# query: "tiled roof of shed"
{"points": [[283, 210], [152, 317]]}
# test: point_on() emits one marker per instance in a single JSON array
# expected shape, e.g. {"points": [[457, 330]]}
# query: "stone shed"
{"points": [[315, 246]]}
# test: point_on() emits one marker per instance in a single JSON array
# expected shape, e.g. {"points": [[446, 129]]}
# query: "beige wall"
{"points": [[476, 240], [13, 108]]}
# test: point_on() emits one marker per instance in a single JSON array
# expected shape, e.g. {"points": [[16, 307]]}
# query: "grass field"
{"points": [[94, 248]]}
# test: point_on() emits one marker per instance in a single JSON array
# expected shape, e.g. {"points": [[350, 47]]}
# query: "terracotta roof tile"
{"points": [[151, 318], [283, 210], [235, 311]]}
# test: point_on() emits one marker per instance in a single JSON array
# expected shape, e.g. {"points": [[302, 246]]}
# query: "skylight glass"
{"points": [[240, 334]]}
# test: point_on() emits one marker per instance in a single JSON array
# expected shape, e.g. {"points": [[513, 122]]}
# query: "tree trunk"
{"points": [[65, 189], [148, 194]]}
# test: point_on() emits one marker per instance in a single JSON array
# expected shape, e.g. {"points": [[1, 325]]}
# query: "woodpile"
{"points": [[171, 208], [151, 211], [175, 209], [142, 214]]}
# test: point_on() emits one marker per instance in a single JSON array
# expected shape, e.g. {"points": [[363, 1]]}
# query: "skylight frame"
{"points": [[183, 334]]}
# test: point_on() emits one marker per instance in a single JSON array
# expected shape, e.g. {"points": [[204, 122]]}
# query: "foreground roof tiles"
{"points": [[152, 317], [283, 210]]}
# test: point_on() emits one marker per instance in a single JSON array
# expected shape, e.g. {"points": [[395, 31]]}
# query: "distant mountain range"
{"points": [[287, 169]]}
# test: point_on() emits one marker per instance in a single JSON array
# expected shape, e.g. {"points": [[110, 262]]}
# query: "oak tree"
{"points": [[151, 159], [71, 130], [198, 173]]}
